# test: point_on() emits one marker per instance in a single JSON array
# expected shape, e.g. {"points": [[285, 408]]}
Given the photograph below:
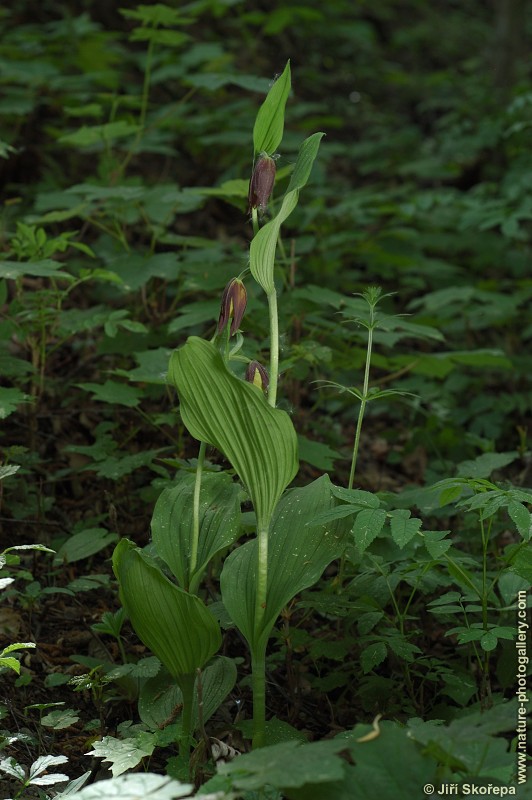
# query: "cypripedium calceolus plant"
{"points": [[200, 516]]}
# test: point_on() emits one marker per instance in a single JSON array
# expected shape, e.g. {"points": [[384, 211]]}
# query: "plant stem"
{"points": [[258, 648], [195, 513], [186, 684], [363, 400], [255, 220], [274, 348], [258, 666]]}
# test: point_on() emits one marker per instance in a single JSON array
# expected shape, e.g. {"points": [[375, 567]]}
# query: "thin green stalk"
{"points": [[274, 348], [195, 511], [186, 684], [255, 220], [363, 401]]}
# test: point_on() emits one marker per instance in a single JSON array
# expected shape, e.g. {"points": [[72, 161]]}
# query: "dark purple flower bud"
{"points": [[261, 183], [256, 374], [234, 299]]}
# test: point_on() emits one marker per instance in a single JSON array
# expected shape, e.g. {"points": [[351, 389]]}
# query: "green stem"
{"points": [[255, 220], [258, 651], [363, 402], [274, 348], [258, 666], [196, 513], [186, 684]]}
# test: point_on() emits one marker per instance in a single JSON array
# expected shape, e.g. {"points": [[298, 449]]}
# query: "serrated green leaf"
{"points": [[10, 767], [522, 565], [11, 648], [357, 497], [10, 663], [367, 526], [436, 543], [485, 464], [175, 625], [522, 518], [123, 754], [234, 416], [113, 392], [403, 526], [488, 641], [372, 656], [7, 469], [46, 268], [60, 719], [44, 763], [269, 124]]}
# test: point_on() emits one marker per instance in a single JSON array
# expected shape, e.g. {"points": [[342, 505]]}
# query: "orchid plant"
{"points": [[199, 516]]}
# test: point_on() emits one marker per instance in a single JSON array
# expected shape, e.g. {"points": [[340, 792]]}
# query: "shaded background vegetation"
{"points": [[133, 158]]}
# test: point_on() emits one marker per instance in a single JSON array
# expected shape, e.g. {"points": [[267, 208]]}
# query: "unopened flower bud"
{"points": [[234, 299], [256, 374], [261, 183]]}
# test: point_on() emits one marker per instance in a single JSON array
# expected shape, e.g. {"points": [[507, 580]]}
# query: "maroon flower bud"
{"points": [[261, 183], [256, 374], [234, 299]]}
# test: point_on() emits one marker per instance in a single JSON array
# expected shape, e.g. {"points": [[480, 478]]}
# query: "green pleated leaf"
{"points": [[176, 626], [172, 523], [234, 416], [160, 696], [298, 552], [263, 246], [269, 124]]}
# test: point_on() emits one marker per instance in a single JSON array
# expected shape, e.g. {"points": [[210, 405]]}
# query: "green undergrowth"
{"points": [[328, 560]]}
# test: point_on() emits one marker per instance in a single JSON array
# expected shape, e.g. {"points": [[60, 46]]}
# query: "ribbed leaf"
{"points": [[262, 250], [161, 696], [234, 416], [176, 626], [269, 124], [172, 523], [298, 552]]}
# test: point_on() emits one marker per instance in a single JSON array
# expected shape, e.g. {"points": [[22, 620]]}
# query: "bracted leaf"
{"points": [[269, 124], [234, 416], [172, 523], [263, 246], [176, 626], [298, 552]]}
